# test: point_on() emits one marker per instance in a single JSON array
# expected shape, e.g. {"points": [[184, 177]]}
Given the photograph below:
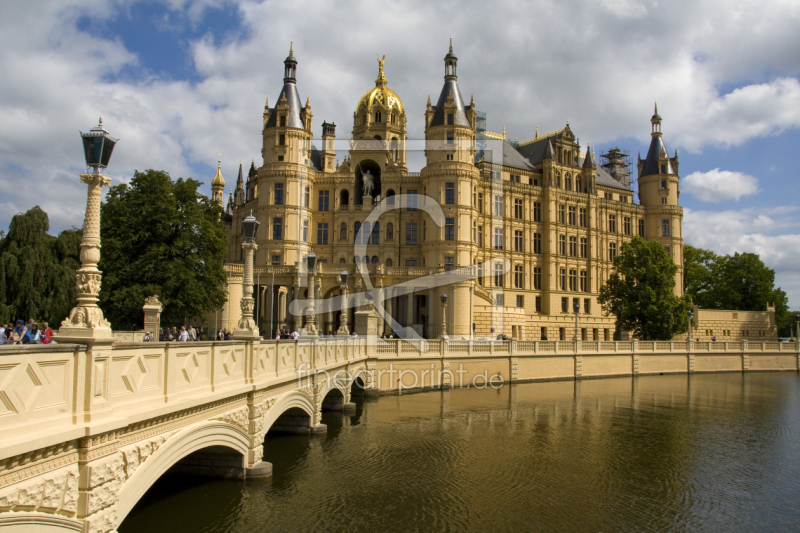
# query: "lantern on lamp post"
{"points": [[86, 320], [247, 328], [343, 318]]}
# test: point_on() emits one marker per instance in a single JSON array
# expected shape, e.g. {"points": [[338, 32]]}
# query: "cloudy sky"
{"points": [[180, 81]]}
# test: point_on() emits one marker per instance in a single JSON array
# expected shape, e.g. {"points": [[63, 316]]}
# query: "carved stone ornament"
{"points": [[86, 317], [152, 300], [88, 283]]}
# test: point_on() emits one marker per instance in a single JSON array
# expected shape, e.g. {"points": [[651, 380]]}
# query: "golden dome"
{"points": [[381, 95], [218, 180]]}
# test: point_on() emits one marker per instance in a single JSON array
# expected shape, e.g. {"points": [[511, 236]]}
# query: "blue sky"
{"points": [[180, 81]]}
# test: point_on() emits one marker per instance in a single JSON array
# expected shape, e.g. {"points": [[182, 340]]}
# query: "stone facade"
{"points": [[543, 211], [724, 325]]}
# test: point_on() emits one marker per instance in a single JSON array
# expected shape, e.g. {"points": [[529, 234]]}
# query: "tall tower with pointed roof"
{"points": [[659, 191]]}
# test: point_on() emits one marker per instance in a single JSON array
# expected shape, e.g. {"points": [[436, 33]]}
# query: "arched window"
{"points": [[578, 184], [341, 259], [568, 182], [365, 231], [366, 259], [558, 180], [389, 262], [376, 233], [374, 259], [344, 198], [343, 231], [394, 148], [378, 116], [389, 231], [356, 231], [390, 200]]}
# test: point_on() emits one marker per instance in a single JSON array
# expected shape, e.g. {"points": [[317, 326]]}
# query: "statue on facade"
{"points": [[369, 183]]}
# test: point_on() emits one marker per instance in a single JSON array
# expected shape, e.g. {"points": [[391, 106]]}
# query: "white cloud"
{"points": [[720, 185], [599, 65], [773, 234]]}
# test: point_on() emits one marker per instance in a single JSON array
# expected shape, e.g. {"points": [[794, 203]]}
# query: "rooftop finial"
{"points": [[504, 132], [291, 46], [100, 123], [537, 132], [381, 79], [655, 109], [451, 43]]}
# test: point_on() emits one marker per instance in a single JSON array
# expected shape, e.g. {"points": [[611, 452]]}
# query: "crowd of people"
{"points": [[173, 334], [22, 333]]}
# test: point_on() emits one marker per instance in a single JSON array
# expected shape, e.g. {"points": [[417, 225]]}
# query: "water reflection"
{"points": [[661, 453]]}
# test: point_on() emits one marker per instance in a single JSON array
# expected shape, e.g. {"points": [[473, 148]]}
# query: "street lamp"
{"points": [[86, 320], [689, 315], [343, 330], [247, 328], [311, 326], [576, 308], [443, 297]]}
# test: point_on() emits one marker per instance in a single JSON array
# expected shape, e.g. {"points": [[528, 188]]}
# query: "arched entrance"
{"points": [[362, 167]]}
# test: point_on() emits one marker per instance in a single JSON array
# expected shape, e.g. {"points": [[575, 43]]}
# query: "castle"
{"points": [[538, 222]]}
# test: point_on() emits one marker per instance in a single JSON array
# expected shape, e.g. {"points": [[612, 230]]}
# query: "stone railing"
{"points": [[56, 392]]}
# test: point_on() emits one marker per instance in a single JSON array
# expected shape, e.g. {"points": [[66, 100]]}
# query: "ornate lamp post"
{"points": [[311, 318], [343, 329], [247, 328], [86, 320], [576, 308], [444, 317], [689, 315]]}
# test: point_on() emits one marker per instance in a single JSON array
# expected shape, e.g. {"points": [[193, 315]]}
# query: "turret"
{"points": [[240, 197], [659, 193], [218, 185], [328, 152]]}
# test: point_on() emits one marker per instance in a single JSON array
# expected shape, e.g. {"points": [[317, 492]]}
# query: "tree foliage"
{"points": [[37, 270], [740, 282], [160, 237], [641, 289]]}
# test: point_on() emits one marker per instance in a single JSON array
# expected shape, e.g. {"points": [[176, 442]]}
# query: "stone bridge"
{"points": [[85, 430]]}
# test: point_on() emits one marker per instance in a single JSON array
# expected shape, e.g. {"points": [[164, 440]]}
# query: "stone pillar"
{"points": [[461, 312], [298, 318], [247, 328], [152, 316], [86, 321], [409, 314], [471, 312], [431, 309], [270, 315], [443, 335], [343, 315]]}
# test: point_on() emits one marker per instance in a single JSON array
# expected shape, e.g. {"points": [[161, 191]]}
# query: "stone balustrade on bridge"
{"points": [[86, 430]]}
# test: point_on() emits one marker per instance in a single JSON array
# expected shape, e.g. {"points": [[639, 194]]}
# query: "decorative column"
{"points": [[247, 328], [86, 320], [311, 318], [343, 313]]}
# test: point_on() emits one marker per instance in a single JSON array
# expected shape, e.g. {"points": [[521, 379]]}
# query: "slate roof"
{"points": [[461, 119], [653, 154], [315, 161], [534, 151], [511, 157], [293, 100]]}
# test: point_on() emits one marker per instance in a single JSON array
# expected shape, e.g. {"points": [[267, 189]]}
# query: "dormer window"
{"points": [[449, 119], [664, 169], [283, 122]]}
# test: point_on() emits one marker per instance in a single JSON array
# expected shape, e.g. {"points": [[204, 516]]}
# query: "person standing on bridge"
{"points": [[183, 336]]}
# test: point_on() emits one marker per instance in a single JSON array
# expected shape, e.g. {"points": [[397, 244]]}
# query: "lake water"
{"points": [[715, 452]]}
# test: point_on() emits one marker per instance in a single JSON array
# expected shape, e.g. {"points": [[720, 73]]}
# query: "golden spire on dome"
{"points": [[218, 180], [380, 81]]}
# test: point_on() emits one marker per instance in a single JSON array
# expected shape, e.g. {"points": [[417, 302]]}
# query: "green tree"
{"points": [[739, 282], [641, 289], [160, 237], [37, 270]]}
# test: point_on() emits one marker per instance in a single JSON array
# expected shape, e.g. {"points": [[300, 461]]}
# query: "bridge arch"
{"points": [[207, 434]]}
